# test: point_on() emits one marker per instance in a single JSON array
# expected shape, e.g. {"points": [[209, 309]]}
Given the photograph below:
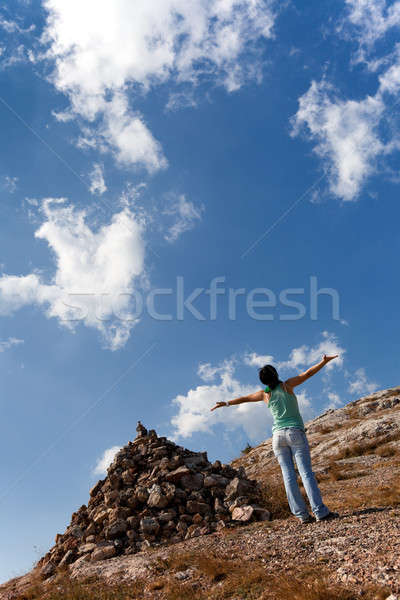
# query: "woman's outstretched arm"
{"points": [[299, 379], [256, 397]]}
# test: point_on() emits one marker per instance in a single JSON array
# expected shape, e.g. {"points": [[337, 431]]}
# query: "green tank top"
{"points": [[284, 409]]}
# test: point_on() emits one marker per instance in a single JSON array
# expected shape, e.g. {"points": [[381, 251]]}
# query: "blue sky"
{"points": [[147, 148]]}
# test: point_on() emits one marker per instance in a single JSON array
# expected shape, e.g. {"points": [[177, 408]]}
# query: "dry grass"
{"points": [[247, 449], [211, 578], [335, 472], [387, 450], [367, 446], [315, 587], [220, 578], [274, 498], [64, 588], [363, 497]]}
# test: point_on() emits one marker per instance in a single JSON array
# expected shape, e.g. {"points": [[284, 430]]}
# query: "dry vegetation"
{"points": [[369, 446], [247, 448], [273, 496], [212, 578]]}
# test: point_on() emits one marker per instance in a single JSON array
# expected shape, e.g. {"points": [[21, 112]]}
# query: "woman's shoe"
{"points": [[329, 516], [306, 520]]}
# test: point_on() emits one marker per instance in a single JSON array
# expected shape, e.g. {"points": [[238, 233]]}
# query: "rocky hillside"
{"points": [[176, 526]]}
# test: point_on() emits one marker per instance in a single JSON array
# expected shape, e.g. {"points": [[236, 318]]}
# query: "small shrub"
{"points": [[247, 449], [274, 499]]}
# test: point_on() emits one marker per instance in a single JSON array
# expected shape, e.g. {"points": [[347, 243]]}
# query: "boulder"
{"points": [[48, 570], [149, 525], [103, 552], [86, 548], [156, 498], [242, 513], [177, 474], [193, 506], [115, 529]]}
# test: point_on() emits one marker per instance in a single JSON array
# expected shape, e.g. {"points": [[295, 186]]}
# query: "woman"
{"points": [[289, 440]]}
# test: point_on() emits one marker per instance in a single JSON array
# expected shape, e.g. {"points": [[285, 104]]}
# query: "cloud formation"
{"points": [[360, 384], [221, 385], [305, 356], [95, 272], [7, 344], [185, 215], [252, 359], [102, 50], [97, 183], [370, 21], [105, 460], [348, 134]]}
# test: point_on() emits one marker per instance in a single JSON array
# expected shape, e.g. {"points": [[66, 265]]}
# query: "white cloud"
{"points": [[194, 413], [7, 344], [360, 384], [371, 20], [12, 56], [185, 216], [95, 276], [305, 355], [347, 133], [123, 133], [105, 460], [10, 26], [10, 183], [101, 49], [335, 401], [252, 359], [208, 372], [97, 183]]}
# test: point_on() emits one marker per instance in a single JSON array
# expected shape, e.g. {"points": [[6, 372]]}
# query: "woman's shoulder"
{"points": [[287, 388]]}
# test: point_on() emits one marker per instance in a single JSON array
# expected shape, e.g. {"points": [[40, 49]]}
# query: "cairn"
{"points": [[155, 493]]}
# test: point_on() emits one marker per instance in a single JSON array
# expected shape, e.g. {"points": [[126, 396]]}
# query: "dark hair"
{"points": [[269, 376]]}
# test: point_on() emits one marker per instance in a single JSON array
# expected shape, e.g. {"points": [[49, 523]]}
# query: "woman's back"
{"points": [[284, 408]]}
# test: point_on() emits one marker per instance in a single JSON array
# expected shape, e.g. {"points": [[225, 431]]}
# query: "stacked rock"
{"points": [[155, 493]]}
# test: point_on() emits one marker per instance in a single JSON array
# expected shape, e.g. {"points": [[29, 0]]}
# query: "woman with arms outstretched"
{"points": [[289, 440]]}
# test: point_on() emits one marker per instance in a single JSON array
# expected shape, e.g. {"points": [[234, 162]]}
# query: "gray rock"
{"points": [[242, 513], [103, 552], [238, 487], [67, 559], [115, 529], [149, 525], [156, 498], [48, 570], [89, 547]]}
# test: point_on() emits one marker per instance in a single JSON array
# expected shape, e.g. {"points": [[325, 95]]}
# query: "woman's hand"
{"points": [[327, 359], [219, 405]]}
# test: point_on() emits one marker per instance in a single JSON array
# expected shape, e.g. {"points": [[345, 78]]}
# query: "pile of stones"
{"points": [[155, 493]]}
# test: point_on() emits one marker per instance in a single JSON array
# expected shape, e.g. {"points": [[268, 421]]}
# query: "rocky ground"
{"points": [[356, 456]]}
